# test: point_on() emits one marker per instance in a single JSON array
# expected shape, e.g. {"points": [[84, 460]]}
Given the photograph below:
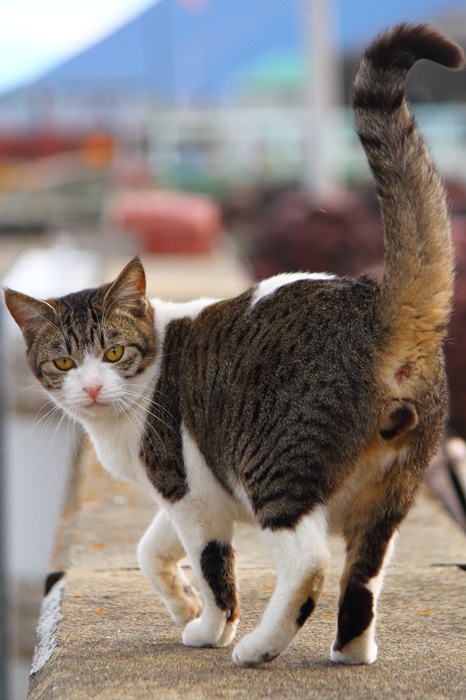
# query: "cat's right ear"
{"points": [[129, 288], [28, 312]]}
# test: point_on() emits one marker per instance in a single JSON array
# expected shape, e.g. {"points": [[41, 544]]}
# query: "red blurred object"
{"points": [[168, 222], [35, 145]]}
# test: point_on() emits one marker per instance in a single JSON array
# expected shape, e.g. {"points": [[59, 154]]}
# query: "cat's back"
{"points": [[285, 373], [305, 323]]}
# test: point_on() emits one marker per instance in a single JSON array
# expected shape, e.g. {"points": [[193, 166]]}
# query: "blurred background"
{"points": [[182, 127]]}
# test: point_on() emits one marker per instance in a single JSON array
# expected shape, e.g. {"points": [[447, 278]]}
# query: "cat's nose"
{"points": [[93, 390]]}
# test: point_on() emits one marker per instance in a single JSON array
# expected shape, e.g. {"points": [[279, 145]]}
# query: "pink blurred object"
{"points": [[168, 222]]}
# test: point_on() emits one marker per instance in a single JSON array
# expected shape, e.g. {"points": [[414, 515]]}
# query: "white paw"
{"points": [[187, 608], [251, 651], [358, 651], [199, 634], [228, 634]]}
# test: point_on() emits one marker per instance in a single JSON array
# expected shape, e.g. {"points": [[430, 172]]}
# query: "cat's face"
{"points": [[90, 350]]}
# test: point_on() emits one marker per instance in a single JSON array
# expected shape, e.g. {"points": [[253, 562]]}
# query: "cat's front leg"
{"points": [[203, 518], [206, 537], [159, 551]]}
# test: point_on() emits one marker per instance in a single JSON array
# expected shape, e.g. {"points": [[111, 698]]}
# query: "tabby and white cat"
{"points": [[310, 404]]}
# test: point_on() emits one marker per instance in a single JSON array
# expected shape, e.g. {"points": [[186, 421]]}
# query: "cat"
{"points": [[309, 405]]}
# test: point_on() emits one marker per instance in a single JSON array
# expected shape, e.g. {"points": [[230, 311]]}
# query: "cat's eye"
{"points": [[114, 354], [64, 363]]}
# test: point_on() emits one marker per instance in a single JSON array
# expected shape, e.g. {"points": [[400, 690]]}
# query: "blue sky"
{"points": [[36, 35]]}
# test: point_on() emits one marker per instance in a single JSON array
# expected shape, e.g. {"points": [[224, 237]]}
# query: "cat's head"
{"points": [[91, 349]]}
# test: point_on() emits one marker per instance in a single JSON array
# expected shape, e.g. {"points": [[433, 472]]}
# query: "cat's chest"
{"points": [[117, 447]]}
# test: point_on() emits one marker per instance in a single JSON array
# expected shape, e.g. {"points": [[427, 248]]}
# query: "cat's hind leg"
{"points": [[159, 552], [302, 560], [355, 639], [370, 544]]}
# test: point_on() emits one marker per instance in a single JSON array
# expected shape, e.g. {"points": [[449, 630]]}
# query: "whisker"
{"points": [[147, 412], [133, 415], [16, 389], [155, 405]]}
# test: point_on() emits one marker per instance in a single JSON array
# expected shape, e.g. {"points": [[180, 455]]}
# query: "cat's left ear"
{"points": [[129, 288], [28, 312]]}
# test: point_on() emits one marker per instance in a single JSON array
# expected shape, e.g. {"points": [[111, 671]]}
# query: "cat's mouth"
{"points": [[96, 404]]}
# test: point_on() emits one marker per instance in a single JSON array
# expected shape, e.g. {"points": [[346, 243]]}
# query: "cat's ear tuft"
{"points": [[129, 288], [28, 312]]}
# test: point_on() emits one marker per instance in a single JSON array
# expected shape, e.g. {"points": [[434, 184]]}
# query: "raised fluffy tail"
{"points": [[417, 289]]}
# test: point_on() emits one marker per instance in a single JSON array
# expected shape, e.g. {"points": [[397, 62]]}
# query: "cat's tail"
{"points": [[416, 293]]}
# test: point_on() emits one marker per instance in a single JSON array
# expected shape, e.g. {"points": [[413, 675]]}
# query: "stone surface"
{"points": [[115, 639]]}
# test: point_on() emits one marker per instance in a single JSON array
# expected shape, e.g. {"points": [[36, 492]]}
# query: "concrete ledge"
{"points": [[113, 639]]}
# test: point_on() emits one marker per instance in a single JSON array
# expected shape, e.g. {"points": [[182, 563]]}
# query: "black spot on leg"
{"points": [[306, 609], [355, 614], [217, 564]]}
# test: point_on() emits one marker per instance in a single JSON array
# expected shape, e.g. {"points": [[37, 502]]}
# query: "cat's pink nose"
{"points": [[93, 390]]}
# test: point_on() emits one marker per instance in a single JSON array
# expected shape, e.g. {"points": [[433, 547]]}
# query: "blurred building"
{"points": [[208, 91]]}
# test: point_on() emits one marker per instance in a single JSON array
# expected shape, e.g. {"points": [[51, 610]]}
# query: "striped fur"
{"points": [[309, 405], [418, 284]]}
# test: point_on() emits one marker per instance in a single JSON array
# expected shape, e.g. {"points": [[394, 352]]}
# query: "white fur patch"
{"points": [[92, 372], [159, 551], [116, 440], [204, 488], [302, 559], [375, 584], [168, 311], [205, 513], [269, 286], [301, 549], [361, 650]]}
